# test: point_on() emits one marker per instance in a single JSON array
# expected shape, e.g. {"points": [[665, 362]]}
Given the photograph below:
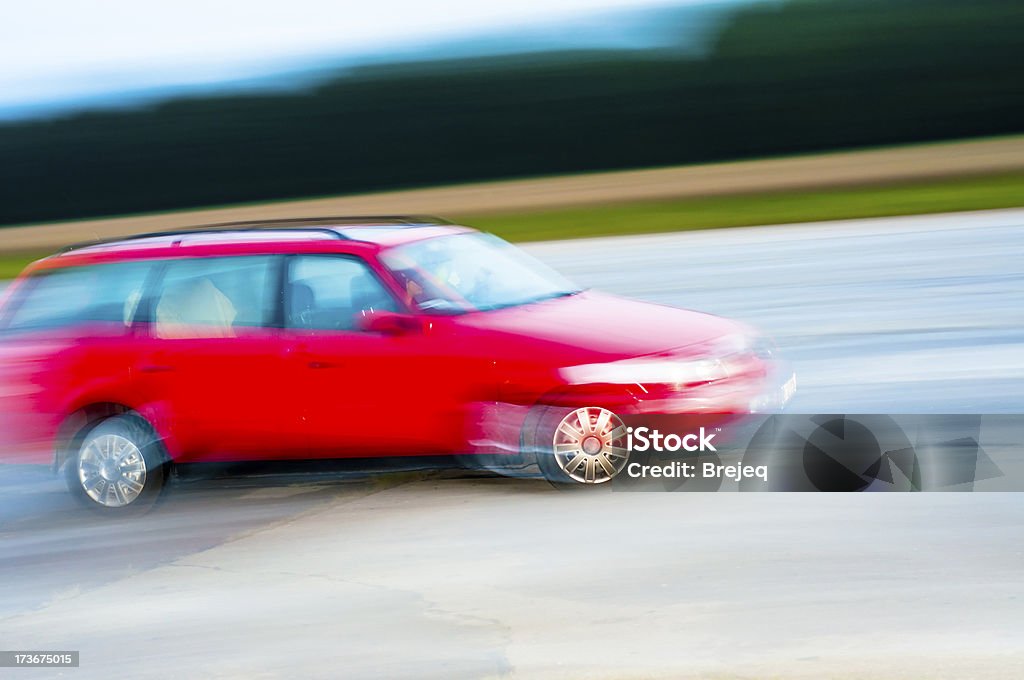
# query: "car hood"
{"points": [[590, 326]]}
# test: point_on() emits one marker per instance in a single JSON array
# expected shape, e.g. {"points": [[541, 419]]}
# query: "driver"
{"points": [[435, 271]]}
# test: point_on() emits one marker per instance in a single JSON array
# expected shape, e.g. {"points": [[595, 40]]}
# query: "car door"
{"points": [[213, 370], [364, 393]]}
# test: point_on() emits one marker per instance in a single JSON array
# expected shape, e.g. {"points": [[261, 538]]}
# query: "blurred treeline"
{"points": [[780, 78]]}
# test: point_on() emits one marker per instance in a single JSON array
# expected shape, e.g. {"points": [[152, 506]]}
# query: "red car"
{"points": [[342, 337]]}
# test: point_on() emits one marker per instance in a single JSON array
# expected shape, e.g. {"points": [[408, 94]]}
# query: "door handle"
{"points": [[155, 368], [316, 363]]}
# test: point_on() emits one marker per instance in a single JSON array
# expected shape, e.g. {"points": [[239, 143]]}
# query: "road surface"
{"points": [[454, 574]]}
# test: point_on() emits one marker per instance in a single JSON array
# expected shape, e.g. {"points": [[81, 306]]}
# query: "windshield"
{"points": [[471, 272]]}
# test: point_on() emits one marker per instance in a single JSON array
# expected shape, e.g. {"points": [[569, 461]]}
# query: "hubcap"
{"points": [[112, 470], [590, 445]]}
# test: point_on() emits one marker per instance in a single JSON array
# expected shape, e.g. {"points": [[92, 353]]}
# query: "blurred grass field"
{"points": [[1005, 190], [1002, 190]]}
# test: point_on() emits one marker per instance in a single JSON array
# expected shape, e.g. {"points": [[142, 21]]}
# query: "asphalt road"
{"points": [[454, 574]]}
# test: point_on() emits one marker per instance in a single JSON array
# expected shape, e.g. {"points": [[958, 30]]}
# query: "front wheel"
{"points": [[587, 445], [119, 468]]}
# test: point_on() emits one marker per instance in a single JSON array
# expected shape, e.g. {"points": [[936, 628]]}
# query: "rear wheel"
{"points": [[586, 445], [120, 467]]}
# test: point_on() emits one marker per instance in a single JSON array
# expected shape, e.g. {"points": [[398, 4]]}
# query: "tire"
{"points": [[119, 469], [579, 447]]}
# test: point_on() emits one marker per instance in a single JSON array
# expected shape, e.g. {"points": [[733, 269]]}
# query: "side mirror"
{"points": [[389, 323]]}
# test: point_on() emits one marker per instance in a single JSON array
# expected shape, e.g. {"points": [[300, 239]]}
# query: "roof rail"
{"points": [[321, 225], [339, 220]]}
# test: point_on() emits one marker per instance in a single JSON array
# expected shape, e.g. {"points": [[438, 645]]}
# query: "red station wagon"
{"points": [[341, 337]]}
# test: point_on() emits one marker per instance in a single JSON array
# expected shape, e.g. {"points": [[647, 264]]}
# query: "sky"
{"points": [[59, 50]]}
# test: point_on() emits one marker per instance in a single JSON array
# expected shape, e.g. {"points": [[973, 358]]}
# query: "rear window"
{"points": [[213, 297], [74, 295]]}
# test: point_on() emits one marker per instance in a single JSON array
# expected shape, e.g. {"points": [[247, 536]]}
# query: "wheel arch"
{"points": [[76, 426], [619, 399]]}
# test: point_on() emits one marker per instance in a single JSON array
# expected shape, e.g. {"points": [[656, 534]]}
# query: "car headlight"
{"points": [[645, 371], [718, 362]]}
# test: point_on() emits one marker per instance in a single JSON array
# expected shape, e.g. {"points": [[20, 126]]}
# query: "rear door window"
{"points": [[75, 295], [215, 297]]}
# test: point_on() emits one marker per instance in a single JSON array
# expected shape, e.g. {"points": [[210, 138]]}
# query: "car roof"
{"points": [[301, 235]]}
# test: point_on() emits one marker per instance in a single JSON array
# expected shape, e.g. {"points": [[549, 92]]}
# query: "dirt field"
{"points": [[781, 174]]}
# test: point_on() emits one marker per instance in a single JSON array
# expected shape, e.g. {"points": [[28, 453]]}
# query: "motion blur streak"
{"points": [[444, 576], [779, 78], [914, 314], [497, 199]]}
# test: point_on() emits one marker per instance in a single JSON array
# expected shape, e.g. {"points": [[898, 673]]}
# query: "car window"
{"points": [[464, 272], [73, 295], [213, 297], [332, 293]]}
